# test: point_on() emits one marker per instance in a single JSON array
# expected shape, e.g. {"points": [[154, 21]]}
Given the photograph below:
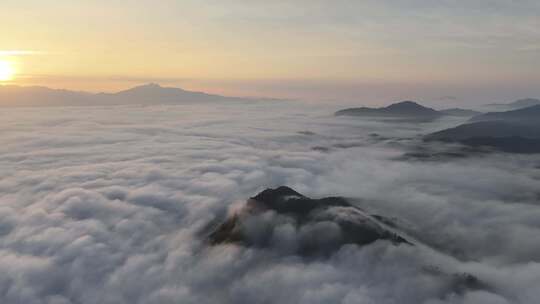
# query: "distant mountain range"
{"points": [[16, 96], [515, 131], [527, 102], [521, 103], [523, 115], [400, 109], [460, 112], [405, 109]]}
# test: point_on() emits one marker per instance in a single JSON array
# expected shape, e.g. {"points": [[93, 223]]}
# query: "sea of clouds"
{"points": [[113, 204]]}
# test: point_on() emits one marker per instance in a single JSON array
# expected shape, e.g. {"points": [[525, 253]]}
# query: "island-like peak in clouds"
{"points": [[286, 222], [407, 105], [404, 109], [323, 225]]}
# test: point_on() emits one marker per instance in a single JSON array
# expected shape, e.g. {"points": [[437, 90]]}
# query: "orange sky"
{"points": [[253, 48]]}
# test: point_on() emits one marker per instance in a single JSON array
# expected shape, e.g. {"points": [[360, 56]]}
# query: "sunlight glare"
{"points": [[7, 71]]}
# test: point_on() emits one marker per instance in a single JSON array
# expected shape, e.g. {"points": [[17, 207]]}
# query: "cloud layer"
{"points": [[111, 205]]}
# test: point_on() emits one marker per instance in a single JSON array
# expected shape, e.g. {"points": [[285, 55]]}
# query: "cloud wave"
{"points": [[110, 205]]}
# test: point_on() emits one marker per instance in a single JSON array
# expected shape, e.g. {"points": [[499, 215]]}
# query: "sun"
{"points": [[7, 71]]}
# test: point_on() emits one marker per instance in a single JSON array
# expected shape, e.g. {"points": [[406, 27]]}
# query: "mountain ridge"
{"points": [[521, 115], [515, 131], [399, 109], [405, 109], [146, 94], [518, 104]]}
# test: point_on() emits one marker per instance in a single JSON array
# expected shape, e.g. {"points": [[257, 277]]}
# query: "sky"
{"points": [[311, 50]]}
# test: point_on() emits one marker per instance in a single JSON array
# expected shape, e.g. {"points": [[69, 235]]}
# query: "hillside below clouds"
{"points": [[529, 115], [518, 104], [148, 94], [516, 131]]}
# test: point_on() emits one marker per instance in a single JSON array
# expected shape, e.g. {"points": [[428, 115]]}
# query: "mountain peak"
{"points": [[400, 109], [147, 86], [405, 104], [152, 89], [351, 224], [411, 108], [150, 85]]}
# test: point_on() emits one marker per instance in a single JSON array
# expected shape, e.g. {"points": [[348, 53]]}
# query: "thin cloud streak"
{"points": [[20, 52]]}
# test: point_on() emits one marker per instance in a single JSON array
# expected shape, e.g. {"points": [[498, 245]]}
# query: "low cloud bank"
{"points": [[111, 205]]}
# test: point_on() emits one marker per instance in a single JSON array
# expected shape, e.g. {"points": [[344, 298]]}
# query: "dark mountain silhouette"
{"points": [[516, 131], [402, 109], [523, 103], [319, 228], [487, 128], [507, 136], [460, 112], [406, 109], [524, 115], [154, 93], [518, 104], [16, 96], [323, 225]]}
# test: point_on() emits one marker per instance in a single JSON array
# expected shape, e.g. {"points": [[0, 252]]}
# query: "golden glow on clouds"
{"points": [[7, 70]]}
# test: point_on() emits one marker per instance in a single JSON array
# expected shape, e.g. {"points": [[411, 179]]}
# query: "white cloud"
{"points": [[110, 205]]}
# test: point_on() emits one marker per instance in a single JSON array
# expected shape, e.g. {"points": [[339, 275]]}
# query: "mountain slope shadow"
{"points": [[312, 226], [516, 131], [291, 223]]}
